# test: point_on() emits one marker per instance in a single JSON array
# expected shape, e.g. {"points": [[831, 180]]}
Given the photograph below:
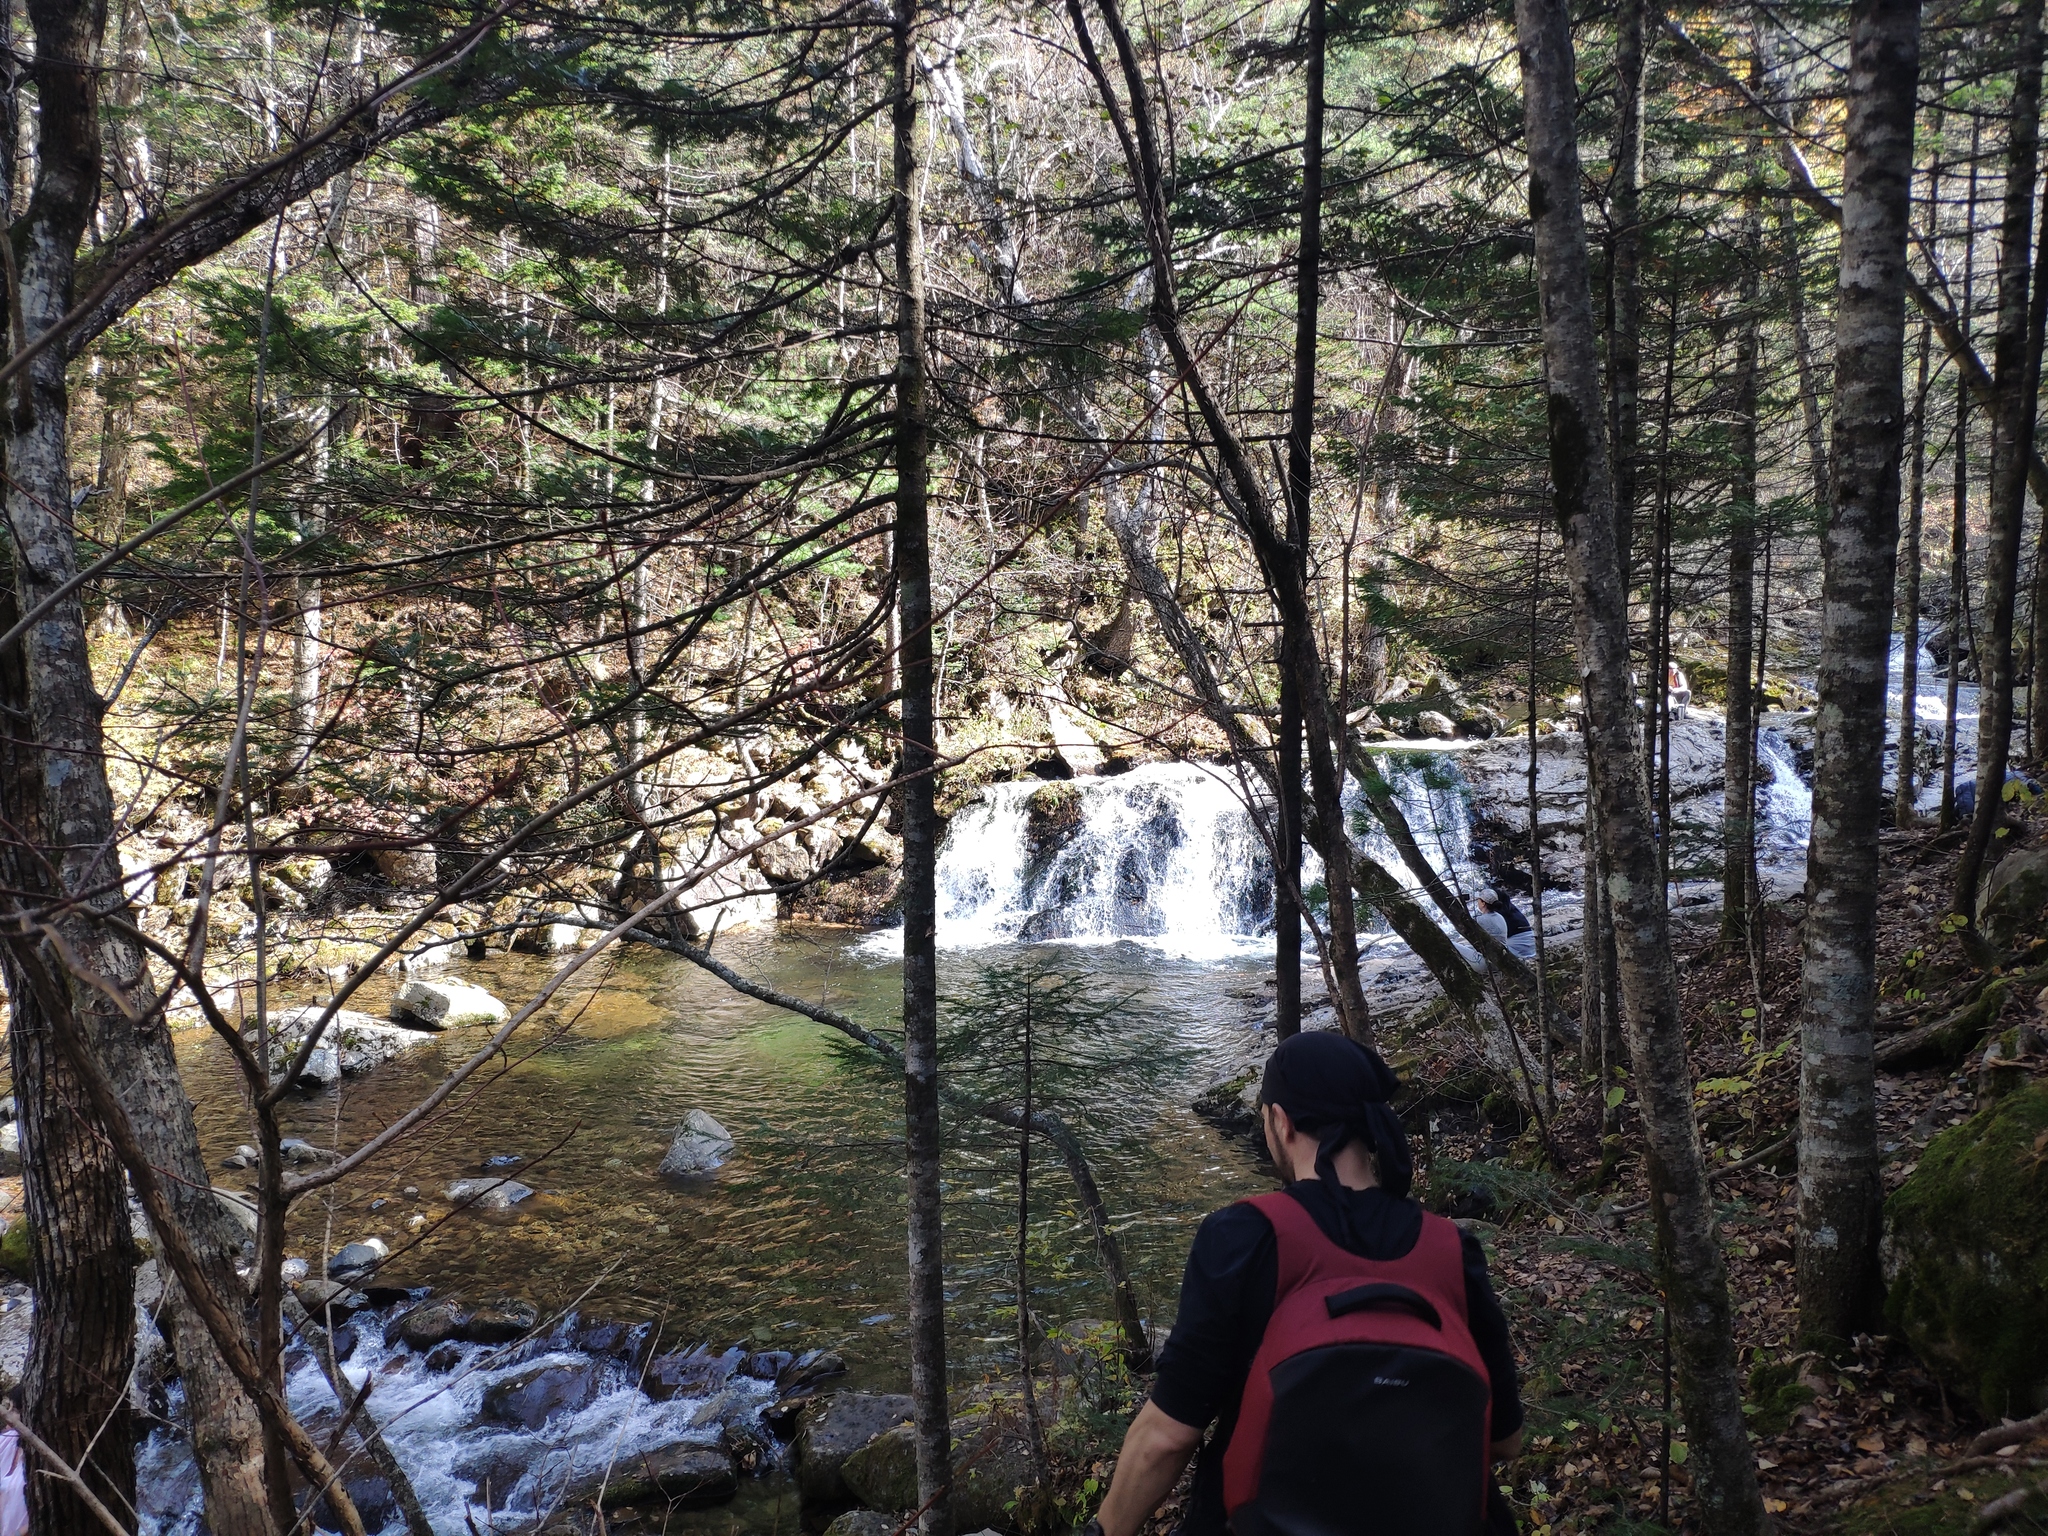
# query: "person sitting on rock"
{"points": [[1966, 792], [1677, 691], [1504, 920], [1347, 1344]]}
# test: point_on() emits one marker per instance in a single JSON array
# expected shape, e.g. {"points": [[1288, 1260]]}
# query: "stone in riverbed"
{"points": [[501, 1320], [354, 1261], [487, 1194], [532, 1397], [808, 1369], [689, 1476], [445, 1004], [428, 1325], [10, 1149], [833, 1429], [689, 1373], [701, 1146], [330, 1298], [350, 1045]]}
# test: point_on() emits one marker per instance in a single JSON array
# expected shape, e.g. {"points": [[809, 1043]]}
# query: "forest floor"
{"points": [[1868, 1443]]}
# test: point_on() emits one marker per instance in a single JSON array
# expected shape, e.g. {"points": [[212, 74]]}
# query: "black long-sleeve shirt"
{"points": [[1226, 1300]]}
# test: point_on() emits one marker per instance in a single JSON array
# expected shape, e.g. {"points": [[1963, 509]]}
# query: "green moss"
{"points": [[1968, 1255], [14, 1251], [1775, 1395]]}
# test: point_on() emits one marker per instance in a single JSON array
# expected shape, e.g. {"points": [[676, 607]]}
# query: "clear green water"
{"points": [[798, 1241]]}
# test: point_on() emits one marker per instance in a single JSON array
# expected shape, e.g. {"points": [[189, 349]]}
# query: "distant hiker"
{"points": [[1966, 792], [1677, 691], [1346, 1343], [1504, 920]]}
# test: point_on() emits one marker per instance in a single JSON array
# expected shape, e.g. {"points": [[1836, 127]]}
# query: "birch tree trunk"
{"points": [[63, 716], [2016, 374], [1838, 1176], [1688, 1247], [920, 816]]}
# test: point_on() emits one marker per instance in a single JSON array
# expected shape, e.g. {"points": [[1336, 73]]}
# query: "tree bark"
{"points": [[1738, 813], [1905, 791], [1625, 347], [2016, 375], [920, 817], [1690, 1262], [1838, 1182], [1246, 497], [1300, 465]]}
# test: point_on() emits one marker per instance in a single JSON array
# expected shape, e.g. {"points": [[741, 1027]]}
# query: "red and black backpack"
{"points": [[1368, 1410]]}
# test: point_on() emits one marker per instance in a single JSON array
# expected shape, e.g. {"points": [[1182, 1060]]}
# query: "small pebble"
{"points": [[379, 1203], [414, 1222], [411, 1191]]}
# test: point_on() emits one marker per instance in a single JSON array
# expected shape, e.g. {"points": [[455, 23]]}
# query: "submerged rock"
{"points": [[488, 1194], [701, 1146], [1966, 1256], [446, 1004], [832, 1430]]}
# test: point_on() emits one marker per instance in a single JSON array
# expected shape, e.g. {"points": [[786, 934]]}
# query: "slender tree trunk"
{"points": [[1300, 465], [1248, 501], [1959, 526], [1625, 350], [1904, 791], [76, 810], [920, 817], [1838, 1182], [1694, 1277], [1738, 813], [2016, 374]]}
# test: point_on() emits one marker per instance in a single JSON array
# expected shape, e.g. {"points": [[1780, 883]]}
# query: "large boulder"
{"points": [[688, 1476], [1966, 1255], [701, 1146], [445, 1004], [357, 1261], [10, 1149], [833, 1428], [350, 1045], [690, 1372], [991, 1466], [2013, 907], [529, 1398], [428, 1325], [409, 869]]}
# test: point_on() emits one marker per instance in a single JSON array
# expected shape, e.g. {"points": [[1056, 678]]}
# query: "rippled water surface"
{"points": [[799, 1239]]}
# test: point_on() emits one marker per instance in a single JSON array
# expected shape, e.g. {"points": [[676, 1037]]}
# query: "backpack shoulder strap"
{"points": [[1440, 1251], [1298, 1241]]}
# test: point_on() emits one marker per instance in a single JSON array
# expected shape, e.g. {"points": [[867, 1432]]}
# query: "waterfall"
{"points": [[1787, 803], [1165, 854]]}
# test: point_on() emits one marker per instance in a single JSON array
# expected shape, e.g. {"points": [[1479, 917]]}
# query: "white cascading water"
{"points": [[454, 1456], [1787, 811], [1930, 711], [1165, 855]]}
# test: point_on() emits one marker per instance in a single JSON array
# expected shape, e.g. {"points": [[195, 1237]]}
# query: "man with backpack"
{"points": [[1346, 1343]]}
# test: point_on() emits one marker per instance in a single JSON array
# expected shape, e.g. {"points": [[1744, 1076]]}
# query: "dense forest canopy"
{"points": [[563, 477]]}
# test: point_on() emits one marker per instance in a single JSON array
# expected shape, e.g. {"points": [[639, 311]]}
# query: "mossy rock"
{"points": [[15, 1256], [1776, 1394], [1966, 1256]]}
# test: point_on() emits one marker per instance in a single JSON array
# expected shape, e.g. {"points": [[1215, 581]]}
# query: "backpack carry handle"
{"points": [[1384, 1294]]}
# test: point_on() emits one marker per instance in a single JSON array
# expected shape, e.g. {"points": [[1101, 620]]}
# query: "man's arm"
{"points": [[1157, 1449], [1508, 1449]]}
